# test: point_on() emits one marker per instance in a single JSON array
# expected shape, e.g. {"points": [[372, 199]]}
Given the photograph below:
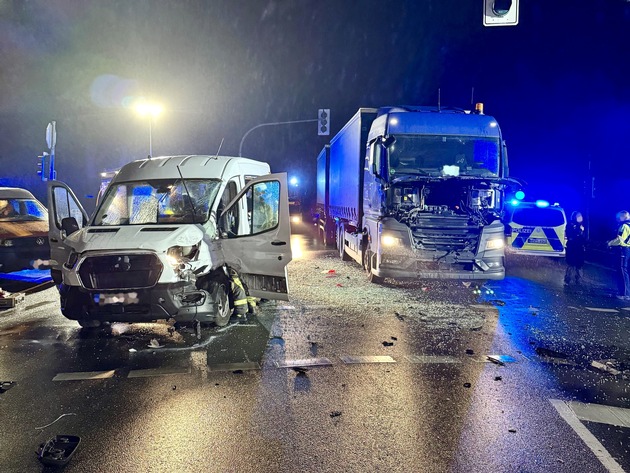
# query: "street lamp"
{"points": [[152, 110]]}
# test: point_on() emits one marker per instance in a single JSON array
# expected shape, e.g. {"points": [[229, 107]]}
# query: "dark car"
{"points": [[23, 231]]}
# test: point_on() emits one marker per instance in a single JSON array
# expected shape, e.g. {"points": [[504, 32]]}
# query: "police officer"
{"points": [[623, 241], [576, 249]]}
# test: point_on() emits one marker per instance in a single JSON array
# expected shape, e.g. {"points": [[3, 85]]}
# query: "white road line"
{"points": [[80, 375], [366, 359], [431, 359], [600, 413], [600, 309], [587, 437], [243, 366], [303, 362], [150, 372]]}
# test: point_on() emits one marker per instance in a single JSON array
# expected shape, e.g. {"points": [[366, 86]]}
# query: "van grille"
{"points": [[120, 272]]}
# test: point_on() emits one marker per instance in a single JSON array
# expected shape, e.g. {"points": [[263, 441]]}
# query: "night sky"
{"points": [[557, 83]]}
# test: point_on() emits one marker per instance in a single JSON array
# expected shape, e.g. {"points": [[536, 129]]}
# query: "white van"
{"points": [[165, 237]]}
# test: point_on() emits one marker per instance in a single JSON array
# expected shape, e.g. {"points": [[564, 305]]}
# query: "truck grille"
{"points": [[120, 272], [445, 234]]}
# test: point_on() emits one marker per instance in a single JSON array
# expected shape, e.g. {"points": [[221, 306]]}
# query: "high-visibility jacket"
{"points": [[623, 236]]}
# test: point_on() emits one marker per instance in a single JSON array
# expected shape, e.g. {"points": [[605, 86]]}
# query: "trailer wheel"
{"points": [[341, 244], [367, 264]]}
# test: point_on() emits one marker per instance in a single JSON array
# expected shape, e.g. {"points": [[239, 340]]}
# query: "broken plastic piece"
{"points": [[154, 343], [6, 385], [58, 450], [607, 367]]}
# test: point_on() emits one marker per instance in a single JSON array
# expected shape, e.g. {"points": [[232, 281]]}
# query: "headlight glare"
{"points": [[495, 244]]}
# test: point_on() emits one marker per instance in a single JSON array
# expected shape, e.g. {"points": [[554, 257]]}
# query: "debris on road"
{"points": [[501, 359], [61, 416], [132, 350], [607, 366], [6, 385], [237, 372], [387, 344], [58, 450], [498, 378], [554, 357], [467, 385], [470, 351], [335, 413], [512, 431], [497, 302], [394, 338], [300, 370], [399, 316], [154, 344]]}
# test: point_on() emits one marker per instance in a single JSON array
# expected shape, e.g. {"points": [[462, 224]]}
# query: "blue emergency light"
{"points": [[520, 195], [542, 204]]}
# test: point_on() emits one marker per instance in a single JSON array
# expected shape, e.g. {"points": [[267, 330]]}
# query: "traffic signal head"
{"points": [[43, 166], [323, 122], [500, 12]]}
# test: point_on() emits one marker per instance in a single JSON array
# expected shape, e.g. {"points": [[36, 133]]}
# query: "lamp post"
{"points": [[152, 110]]}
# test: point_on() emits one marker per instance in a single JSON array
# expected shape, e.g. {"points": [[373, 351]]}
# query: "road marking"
{"points": [[587, 437], [243, 366], [303, 362], [600, 309], [150, 372], [600, 413], [366, 359], [431, 359], [80, 375]]}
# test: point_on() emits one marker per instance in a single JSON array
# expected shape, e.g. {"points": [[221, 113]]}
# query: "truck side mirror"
{"points": [[69, 225]]}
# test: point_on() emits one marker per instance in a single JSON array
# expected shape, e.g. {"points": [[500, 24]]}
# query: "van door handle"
{"points": [[278, 243]]}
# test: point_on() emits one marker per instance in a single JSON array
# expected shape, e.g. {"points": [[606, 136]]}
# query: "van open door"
{"points": [[65, 216], [255, 236]]}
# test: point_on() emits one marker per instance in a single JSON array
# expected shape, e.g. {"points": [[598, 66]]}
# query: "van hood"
{"points": [[158, 238], [23, 229]]}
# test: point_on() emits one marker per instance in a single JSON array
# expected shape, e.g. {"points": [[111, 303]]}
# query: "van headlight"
{"points": [[181, 254], [495, 244]]}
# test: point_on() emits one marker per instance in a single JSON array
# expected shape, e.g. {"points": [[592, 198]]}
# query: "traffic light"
{"points": [[44, 166], [500, 12], [323, 122]]}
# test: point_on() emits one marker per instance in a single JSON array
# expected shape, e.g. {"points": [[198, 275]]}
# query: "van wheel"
{"points": [[341, 244], [221, 299], [367, 264]]}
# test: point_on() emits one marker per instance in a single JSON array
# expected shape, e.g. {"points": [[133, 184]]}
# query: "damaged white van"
{"points": [[168, 238]]}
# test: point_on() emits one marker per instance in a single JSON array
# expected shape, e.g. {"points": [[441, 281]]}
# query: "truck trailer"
{"points": [[169, 237], [416, 192]]}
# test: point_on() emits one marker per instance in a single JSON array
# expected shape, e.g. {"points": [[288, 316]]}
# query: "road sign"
{"points": [[500, 12]]}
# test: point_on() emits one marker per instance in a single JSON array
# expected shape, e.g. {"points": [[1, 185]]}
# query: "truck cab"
{"points": [[166, 237]]}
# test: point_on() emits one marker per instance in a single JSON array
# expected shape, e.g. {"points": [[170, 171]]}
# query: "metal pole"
{"points": [[150, 135], [240, 147]]}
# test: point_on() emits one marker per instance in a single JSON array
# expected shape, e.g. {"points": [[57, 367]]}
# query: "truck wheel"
{"points": [[367, 264], [341, 244], [220, 297]]}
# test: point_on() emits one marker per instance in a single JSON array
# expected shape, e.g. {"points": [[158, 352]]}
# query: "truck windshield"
{"points": [[161, 201], [428, 154]]}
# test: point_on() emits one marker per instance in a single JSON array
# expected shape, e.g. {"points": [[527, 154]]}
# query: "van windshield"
{"points": [[538, 217], [21, 210], [160, 201]]}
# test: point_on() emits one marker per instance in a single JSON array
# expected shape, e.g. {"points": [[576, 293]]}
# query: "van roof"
{"points": [[15, 193], [190, 167]]}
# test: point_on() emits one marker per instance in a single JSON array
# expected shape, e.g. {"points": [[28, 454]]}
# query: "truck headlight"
{"points": [[495, 244], [181, 254], [6, 242], [389, 240]]}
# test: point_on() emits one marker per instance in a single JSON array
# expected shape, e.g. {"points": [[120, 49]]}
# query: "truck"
{"points": [[416, 192], [168, 238]]}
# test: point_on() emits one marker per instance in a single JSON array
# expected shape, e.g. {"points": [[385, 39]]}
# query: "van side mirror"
{"points": [[69, 225]]}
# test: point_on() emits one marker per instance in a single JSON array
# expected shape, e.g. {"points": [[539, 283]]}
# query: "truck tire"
{"points": [[367, 264], [341, 244]]}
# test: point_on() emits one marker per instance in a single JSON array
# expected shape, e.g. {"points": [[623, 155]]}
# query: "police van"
{"points": [[536, 228]]}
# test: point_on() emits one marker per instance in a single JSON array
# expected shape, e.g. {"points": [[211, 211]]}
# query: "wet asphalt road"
{"points": [[228, 402]]}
